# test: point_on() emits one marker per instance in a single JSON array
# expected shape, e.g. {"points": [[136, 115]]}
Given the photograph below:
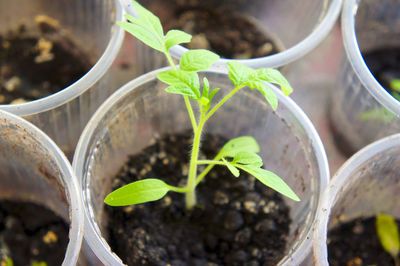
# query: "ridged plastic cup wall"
{"points": [[130, 119], [366, 25], [91, 24], [34, 169], [297, 26], [366, 185]]}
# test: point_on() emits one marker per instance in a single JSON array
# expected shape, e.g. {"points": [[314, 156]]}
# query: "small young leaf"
{"points": [[152, 21], [395, 84], [206, 87], [180, 78], [231, 168], [174, 37], [271, 180], [245, 157], [181, 89], [238, 73], [197, 60], [8, 261], [212, 93], [138, 192], [273, 76], [142, 34], [388, 234], [204, 101], [233, 146], [382, 114]]}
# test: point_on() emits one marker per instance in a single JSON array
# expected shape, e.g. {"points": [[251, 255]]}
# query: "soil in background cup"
{"points": [[367, 184], [34, 169], [90, 24], [130, 119], [362, 111], [297, 26]]}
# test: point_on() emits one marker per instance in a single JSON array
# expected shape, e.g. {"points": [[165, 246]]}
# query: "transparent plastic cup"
{"points": [[298, 26], [366, 185], [130, 119], [366, 25], [91, 24], [33, 168]]}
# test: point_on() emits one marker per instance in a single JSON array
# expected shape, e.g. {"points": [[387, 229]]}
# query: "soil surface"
{"points": [[384, 65], [37, 62], [356, 243], [30, 232], [237, 221], [229, 34]]}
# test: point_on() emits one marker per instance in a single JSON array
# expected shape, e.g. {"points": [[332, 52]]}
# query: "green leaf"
{"points": [[212, 93], [233, 146], [206, 87], [8, 261], [181, 89], [231, 168], [182, 78], [388, 234], [273, 76], [245, 157], [142, 34], [271, 180], [175, 37], [39, 263], [268, 93], [197, 60], [382, 114], [149, 18], [238, 73], [138, 192], [395, 85]]}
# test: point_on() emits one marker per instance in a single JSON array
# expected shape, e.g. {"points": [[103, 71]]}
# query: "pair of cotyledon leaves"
{"points": [[238, 153]]}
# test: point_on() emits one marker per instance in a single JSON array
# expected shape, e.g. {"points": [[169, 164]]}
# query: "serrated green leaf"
{"points": [[206, 87], [271, 180], [388, 233], [245, 157], [142, 34], [395, 85], [197, 60], [233, 146], [174, 37], [180, 78], [138, 192], [149, 18], [181, 89], [238, 73], [268, 93], [231, 168], [273, 76]]}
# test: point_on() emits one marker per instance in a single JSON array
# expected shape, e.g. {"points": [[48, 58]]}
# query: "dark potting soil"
{"points": [[35, 63], [238, 221], [356, 243], [229, 34], [30, 232], [384, 64]]}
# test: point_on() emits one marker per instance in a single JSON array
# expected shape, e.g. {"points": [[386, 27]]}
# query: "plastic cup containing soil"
{"points": [[256, 33], [54, 58], [368, 184], [143, 131], [365, 106], [41, 214]]}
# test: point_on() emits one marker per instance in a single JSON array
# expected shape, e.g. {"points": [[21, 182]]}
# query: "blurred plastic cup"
{"points": [[366, 185], [91, 24], [362, 111], [34, 169], [141, 110], [298, 26]]}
